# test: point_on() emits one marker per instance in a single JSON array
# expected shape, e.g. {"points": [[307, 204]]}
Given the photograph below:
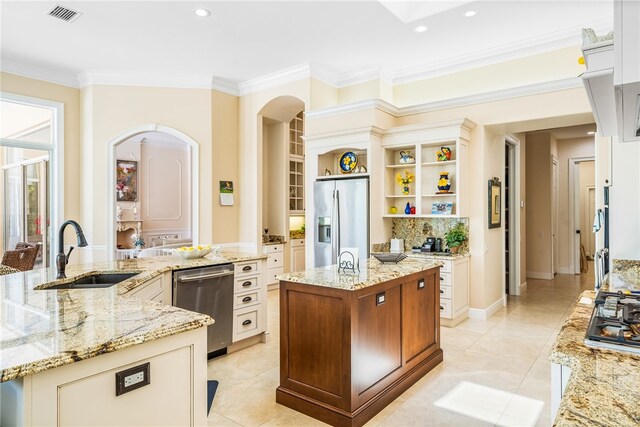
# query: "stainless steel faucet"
{"points": [[62, 259]]}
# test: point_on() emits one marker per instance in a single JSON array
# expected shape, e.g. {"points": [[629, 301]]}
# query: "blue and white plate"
{"points": [[348, 162]]}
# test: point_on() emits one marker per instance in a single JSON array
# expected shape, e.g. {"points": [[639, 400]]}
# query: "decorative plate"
{"points": [[389, 257], [348, 162]]}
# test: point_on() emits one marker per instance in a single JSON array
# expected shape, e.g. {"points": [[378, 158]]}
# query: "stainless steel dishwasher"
{"points": [[208, 290]]}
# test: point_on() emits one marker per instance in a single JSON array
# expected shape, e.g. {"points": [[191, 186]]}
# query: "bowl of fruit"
{"points": [[191, 252]]}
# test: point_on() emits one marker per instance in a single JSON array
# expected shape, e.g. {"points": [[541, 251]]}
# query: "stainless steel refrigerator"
{"points": [[341, 218]]}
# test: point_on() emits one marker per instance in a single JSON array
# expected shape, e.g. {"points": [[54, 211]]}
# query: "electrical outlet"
{"points": [[130, 380], [133, 378]]}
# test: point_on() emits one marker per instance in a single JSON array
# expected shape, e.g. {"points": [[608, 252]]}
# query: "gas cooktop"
{"points": [[615, 322]]}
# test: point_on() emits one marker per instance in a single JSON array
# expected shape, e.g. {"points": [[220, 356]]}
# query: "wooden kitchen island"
{"points": [[352, 343]]}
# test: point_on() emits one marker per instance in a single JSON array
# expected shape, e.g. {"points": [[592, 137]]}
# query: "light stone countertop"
{"points": [[429, 255], [603, 389], [42, 329], [371, 273]]}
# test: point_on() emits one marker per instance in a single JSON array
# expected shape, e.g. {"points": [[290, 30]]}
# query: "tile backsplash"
{"points": [[415, 231]]}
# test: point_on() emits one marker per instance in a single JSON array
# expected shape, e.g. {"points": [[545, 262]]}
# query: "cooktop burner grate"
{"points": [[615, 322]]}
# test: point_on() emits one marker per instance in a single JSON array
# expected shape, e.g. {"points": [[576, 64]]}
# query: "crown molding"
{"points": [[503, 53], [278, 78], [497, 95], [39, 73], [191, 81], [225, 85]]}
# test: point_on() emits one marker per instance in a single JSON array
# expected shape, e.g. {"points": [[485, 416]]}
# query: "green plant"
{"points": [[456, 235]]}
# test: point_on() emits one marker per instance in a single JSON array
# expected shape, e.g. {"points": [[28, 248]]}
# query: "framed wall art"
{"points": [[495, 203], [126, 181]]}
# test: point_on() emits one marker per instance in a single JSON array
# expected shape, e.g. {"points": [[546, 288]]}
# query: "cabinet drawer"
{"points": [[445, 308], [271, 249], [445, 292], [246, 300], [445, 279], [272, 273], [246, 284], [275, 260], [246, 322], [148, 290], [446, 267], [297, 243], [247, 268]]}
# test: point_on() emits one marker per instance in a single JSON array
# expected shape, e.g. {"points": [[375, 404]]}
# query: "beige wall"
{"points": [[70, 97], [224, 164], [538, 205], [549, 66], [567, 149]]}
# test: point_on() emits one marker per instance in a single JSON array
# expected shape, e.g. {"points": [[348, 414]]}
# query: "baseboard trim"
{"points": [[485, 313], [539, 275], [523, 287], [564, 270]]}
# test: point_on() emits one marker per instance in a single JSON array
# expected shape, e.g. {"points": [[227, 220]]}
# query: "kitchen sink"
{"points": [[99, 280]]}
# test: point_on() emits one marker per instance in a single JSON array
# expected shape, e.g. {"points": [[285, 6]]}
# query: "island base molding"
{"points": [[340, 418]]}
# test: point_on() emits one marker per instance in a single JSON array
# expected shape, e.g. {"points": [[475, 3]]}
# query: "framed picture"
{"points": [[126, 181], [441, 208], [495, 195]]}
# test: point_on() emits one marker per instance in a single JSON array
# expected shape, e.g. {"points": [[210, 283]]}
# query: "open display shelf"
{"points": [[331, 161], [296, 164], [428, 166]]}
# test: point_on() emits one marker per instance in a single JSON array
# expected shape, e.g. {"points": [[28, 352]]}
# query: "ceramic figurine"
{"points": [[413, 210], [327, 172], [407, 209], [446, 151], [362, 169], [406, 157], [393, 210]]}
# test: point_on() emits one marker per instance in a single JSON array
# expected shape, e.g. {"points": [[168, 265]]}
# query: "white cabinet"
{"points": [[84, 393], [250, 300], [151, 290], [296, 164], [559, 378], [297, 255], [454, 291], [275, 261], [435, 152]]}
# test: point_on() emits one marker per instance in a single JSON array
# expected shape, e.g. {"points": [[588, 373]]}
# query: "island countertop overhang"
{"points": [[371, 272]]}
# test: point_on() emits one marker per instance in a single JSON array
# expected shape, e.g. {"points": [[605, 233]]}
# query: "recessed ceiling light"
{"points": [[470, 13], [421, 28], [591, 132], [202, 12]]}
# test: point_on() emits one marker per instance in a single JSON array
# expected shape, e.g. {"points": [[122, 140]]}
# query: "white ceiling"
{"points": [[244, 40]]}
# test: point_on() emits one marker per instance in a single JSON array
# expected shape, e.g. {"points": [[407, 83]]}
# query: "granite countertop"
{"points": [[371, 273], [296, 234], [603, 386], [42, 329], [430, 255]]}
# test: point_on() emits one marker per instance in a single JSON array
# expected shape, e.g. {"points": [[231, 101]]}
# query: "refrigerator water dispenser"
{"points": [[324, 229]]}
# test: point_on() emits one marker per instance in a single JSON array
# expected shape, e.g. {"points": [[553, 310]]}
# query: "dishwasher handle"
{"points": [[206, 276]]}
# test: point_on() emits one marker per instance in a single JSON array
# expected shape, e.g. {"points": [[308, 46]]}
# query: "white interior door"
{"points": [[591, 241], [554, 215]]}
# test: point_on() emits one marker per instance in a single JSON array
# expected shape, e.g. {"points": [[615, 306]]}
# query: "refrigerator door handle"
{"points": [[335, 229]]}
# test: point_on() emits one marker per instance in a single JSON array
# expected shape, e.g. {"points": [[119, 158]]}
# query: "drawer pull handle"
{"points": [[275, 260], [441, 308], [246, 299], [441, 291], [420, 284], [246, 268], [246, 284], [246, 322]]}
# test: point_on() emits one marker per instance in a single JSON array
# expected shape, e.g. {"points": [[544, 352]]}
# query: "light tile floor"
{"points": [[495, 371]]}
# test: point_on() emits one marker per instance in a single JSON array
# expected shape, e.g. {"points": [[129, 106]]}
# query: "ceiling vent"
{"points": [[64, 13]]}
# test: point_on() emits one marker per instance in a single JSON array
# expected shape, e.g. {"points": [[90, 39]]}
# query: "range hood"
{"points": [[626, 75], [612, 79]]}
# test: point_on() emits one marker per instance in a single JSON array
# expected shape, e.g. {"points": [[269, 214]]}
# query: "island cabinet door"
{"points": [[377, 340], [420, 316]]}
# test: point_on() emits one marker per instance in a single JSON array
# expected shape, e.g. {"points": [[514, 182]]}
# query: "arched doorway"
{"points": [[279, 148], [153, 189]]}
